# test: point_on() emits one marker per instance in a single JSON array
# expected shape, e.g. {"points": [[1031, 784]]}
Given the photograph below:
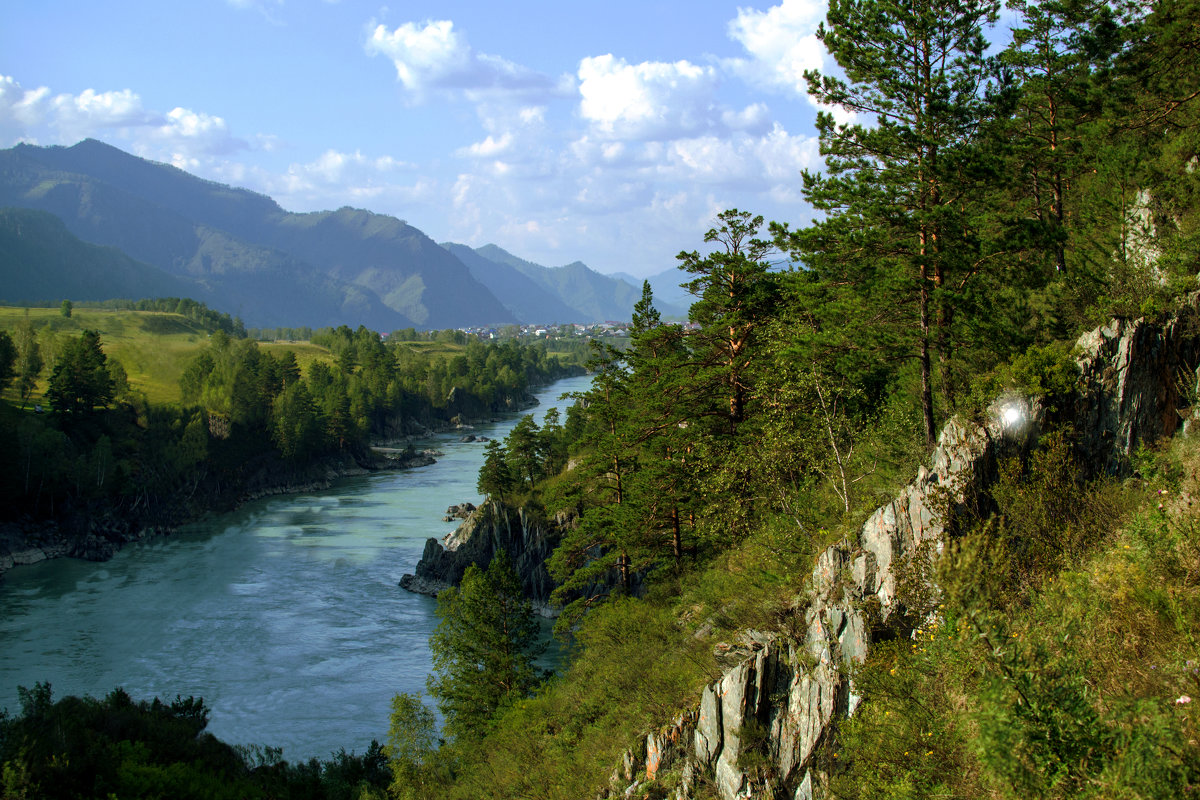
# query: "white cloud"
{"points": [[532, 115], [489, 147], [188, 134], [433, 56], [21, 110], [335, 179], [781, 43], [755, 117], [650, 100]]}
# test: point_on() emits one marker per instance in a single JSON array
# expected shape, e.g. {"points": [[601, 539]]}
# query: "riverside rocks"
{"points": [[458, 511], [1129, 391], [528, 539]]}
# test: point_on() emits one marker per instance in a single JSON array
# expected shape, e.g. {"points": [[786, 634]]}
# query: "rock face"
{"points": [[493, 526], [1131, 376], [782, 700]]}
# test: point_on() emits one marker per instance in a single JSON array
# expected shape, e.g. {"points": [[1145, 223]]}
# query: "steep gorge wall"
{"points": [[1136, 380]]}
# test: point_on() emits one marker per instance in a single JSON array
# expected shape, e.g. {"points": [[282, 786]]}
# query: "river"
{"points": [[284, 615]]}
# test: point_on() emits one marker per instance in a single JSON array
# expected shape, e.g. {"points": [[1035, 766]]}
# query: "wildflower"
{"points": [[1183, 700]]}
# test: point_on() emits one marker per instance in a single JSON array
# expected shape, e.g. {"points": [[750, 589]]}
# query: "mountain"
{"points": [[245, 253], [41, 260], [593, 296], [529, 301], [665, 286]]}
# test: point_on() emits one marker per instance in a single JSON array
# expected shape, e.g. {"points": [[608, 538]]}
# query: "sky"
{"points": [[608, 132]]}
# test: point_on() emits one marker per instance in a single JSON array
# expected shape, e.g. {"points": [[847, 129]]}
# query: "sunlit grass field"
{"points": [[154, 347]]}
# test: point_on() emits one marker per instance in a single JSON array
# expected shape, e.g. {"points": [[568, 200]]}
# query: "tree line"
{"points": [[103, 446]]}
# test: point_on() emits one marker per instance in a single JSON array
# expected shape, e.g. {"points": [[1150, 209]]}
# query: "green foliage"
{"points": [[80, 380], [412, 749], [483, 648], [29, 358], [495, 476], [633, 667], [66, 308], [8, 360], [117, 747], [1069, 676]]}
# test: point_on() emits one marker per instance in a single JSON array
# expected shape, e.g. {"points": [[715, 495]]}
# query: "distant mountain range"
{"points": [[666, 288], [128, 227], [554, 294]]}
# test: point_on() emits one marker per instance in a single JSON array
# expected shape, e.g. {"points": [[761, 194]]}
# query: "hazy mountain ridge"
{"points": [[594, 296], [243, 251], [68, 267], [529, 301], [665, 286]]}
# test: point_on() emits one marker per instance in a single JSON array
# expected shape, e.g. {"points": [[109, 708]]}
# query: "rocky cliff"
{"points": [[1135, 384], [526, 537]]}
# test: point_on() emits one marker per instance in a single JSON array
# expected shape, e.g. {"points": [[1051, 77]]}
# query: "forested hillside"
{"points": [[979, 211], [751, 510]]}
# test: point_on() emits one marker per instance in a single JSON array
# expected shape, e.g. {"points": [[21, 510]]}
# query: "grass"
{"points": [[152, 346], [306, 352]]}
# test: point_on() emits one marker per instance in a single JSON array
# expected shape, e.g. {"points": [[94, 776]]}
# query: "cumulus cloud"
{"points": [[781, 43], [188, 134], [333, 179], [30, 114], [433, 56], [489, 147], [650, 100], [21, 110]]}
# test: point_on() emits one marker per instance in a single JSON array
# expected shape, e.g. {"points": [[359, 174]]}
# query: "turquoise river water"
{"points": [[284, 615]]}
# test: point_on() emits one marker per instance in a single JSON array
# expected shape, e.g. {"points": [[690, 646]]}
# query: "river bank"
{"points": [[97, 533], [284, 614]]}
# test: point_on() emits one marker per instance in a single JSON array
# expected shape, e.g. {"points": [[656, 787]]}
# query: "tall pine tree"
{"points": [[895, 192]]}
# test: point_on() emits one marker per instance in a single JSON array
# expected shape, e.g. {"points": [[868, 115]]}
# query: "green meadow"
{"points": [[152, 346]]}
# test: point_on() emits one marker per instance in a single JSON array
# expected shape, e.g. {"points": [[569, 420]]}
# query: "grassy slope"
{"points": [[154, 347]]}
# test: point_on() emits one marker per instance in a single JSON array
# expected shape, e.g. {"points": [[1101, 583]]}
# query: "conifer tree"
{"points": [[495, 477], [483, 648], [732, 294], [524, 446], [80, 380], [895, 190]]}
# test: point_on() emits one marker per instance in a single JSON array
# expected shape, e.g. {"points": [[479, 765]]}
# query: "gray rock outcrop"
{"points": [[792, 692], [493, 526]]}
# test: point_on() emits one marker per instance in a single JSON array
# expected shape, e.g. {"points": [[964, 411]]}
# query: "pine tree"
{"points": [[524, 446], [483, 648], [495, 477], [80, 380], [733, 294], [896, 187]]}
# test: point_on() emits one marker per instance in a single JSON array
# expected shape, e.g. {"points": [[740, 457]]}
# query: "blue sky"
{"points": [[611, 133]]}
